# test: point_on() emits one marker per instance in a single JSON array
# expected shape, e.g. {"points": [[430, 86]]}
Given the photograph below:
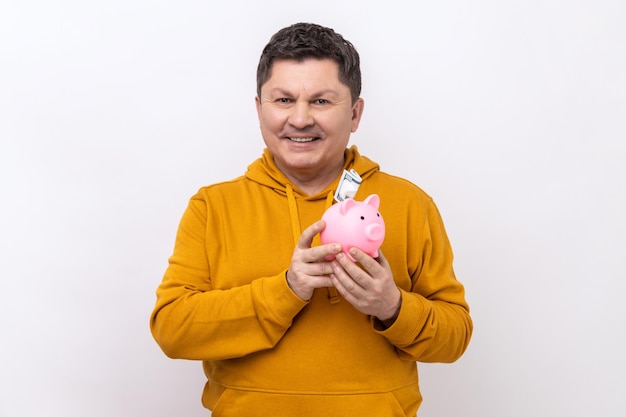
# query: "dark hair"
{"points": [[307, 40]]}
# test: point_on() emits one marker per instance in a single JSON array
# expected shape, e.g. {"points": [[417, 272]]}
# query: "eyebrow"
{"points": [[321, 93]]}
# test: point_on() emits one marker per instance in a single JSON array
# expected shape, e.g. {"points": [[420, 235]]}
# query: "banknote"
{"points": [[348, 185]]}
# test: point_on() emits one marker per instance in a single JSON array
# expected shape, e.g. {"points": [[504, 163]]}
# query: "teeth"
{"points": [[302, 139]]}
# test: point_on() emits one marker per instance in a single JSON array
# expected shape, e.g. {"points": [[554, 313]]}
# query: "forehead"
{"points": [[293, 73]]}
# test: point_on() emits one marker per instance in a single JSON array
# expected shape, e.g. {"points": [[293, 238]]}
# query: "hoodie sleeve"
{"points": [[191, 320], [434, 324]]}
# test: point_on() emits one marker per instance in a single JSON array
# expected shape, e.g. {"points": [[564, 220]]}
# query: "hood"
{"points": [[265, 172]]}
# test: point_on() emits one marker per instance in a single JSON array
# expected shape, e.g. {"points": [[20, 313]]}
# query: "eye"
{"points": [[283, 100], [378, 214], [321, 101], [362, 218]]}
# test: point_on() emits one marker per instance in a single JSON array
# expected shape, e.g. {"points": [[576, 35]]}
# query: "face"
{"points": [[306, 116]]}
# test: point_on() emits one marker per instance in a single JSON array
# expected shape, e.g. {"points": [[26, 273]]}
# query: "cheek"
{"points": [[343, 124], [335, 122], [271, 120]]}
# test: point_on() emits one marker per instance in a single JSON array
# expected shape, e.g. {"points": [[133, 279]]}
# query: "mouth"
{"points": [[302, 140]]}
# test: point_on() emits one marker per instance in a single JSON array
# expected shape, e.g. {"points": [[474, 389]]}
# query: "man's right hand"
{"points": [[309, 268]]}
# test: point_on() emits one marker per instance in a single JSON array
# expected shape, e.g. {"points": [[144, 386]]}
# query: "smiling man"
{"points": [[307, 116], [281, 329]]}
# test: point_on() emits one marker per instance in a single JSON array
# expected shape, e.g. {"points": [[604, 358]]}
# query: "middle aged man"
{"points": [[281, 330]]}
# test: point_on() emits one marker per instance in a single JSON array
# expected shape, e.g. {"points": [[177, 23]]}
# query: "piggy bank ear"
{"points": [[345, 205], [372, 200]]}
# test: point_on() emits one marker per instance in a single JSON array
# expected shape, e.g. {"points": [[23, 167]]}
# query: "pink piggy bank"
{"points": [[355, 224]]}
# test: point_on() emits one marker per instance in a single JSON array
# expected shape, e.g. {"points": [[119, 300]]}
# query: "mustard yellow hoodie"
{"points": [[224, 300]]}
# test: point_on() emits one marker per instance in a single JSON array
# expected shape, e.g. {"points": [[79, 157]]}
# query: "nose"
{"points": [[301, 116], [375, 231]]}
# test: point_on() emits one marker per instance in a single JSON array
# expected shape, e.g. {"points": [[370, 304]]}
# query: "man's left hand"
{"points": [[370, 289]]}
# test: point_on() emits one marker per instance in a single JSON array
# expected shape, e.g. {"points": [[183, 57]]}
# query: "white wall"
{"points": [[512, 115]]}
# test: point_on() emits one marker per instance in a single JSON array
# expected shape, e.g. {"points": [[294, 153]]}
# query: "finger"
{"points": [[381, 259], [348, 289], [351, 271], [318, 268], [371, 265], [319, 253], [349, 275], [306, 238]]}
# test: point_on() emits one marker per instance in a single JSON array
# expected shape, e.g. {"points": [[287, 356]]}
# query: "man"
{"points": [[281, 330]]}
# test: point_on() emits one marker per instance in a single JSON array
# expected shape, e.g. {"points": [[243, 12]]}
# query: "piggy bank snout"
{"points": [[375, 231]]}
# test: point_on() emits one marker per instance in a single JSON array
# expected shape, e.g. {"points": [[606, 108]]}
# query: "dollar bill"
{"points": [[348, 185]]}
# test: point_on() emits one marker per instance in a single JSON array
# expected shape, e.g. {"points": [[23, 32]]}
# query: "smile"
{"points": [[302, 140]]}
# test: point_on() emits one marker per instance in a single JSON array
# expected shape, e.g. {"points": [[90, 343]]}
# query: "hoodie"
{"points": [[224, 300]]}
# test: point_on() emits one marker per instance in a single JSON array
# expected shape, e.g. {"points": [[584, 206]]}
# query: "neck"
{"points": [[312, 183]]}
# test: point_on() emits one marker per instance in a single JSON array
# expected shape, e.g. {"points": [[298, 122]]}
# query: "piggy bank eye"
{"points": [[362, 218], [378, 214]]}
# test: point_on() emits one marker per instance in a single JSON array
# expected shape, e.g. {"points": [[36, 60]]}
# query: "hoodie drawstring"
{"points": [[333, 295], [293, 214]]}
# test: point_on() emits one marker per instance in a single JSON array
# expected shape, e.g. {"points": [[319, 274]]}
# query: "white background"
{"points": [[511, 114]]}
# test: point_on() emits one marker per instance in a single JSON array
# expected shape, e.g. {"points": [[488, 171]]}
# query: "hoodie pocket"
{"points": [[236, 403]]}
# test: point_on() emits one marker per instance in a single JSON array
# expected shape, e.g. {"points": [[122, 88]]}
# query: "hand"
{"points": [[309, 269], [370, 289]]}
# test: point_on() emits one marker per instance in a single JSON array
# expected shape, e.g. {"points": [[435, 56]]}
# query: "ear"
{"points": [[373, 200], [345, 205], [257, 102], [357, 112]]}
